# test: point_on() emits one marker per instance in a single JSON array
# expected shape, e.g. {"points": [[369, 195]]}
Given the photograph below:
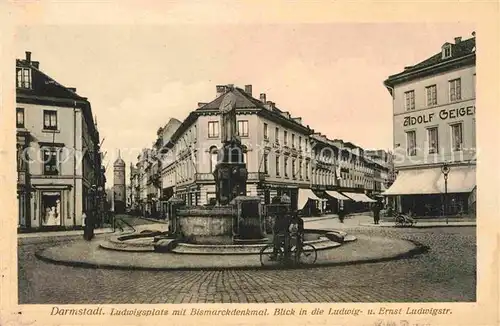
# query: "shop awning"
{"points": [[337, 195], [304, 196], [359, 197], [431, 181]]}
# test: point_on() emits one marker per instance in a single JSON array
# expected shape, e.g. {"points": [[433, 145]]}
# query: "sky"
{"points": [[137, 77]]}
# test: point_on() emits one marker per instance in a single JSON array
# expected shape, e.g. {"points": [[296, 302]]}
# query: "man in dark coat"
{"points": [[376, 211]]}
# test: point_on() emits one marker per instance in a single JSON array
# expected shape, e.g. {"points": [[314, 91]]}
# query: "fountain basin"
{"points": [[207, 225]]}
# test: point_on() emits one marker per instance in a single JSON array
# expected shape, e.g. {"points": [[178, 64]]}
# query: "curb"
{"points": [[419, 249], [419, 226]]}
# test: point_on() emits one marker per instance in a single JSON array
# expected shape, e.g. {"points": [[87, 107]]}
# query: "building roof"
{"points": [[119, 161], [44, 85], [243, 101], [460, 49]]}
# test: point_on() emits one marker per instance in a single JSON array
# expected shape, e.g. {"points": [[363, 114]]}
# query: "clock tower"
{"points": [[119, 185]]}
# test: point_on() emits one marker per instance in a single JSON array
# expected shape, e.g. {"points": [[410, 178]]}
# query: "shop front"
{"points": [[425, 193]]}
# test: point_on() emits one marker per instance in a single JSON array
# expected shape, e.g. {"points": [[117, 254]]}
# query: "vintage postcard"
{"points": [[249, 163]]}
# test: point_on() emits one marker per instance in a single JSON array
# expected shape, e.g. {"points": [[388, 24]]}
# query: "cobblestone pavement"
{"points": [[446, 273]]}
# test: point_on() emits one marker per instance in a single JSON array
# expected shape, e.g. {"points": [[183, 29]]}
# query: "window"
{"points": [[474, 85], [293, 141], [286, 167], [266, 164], [285, 137], [455, 90], [213, 129], [447, 51], [243, 128], [411, 140], [307, 170], [23, 77], [300, 169], [266, 135], [277, 135], [456, 133], [432, 135], [410, 100], [431, 95], [474, 133], [300, 143], [50, 161], [293, 169], [49, 120], [20, 117], [277, 166]]}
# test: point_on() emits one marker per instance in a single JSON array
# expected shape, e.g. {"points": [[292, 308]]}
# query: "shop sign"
{"points": [[444, 114]]}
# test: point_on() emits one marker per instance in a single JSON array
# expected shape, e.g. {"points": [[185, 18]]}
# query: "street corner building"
{"points": [[282, 156], [58, 152], [434, 107]]}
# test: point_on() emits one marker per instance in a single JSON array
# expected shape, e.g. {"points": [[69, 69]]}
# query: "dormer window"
{"points": [[23, 77], [446, 51]]}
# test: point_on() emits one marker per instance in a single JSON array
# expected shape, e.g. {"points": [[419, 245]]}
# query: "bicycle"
{"points": [[403, 220], [305, 254]]}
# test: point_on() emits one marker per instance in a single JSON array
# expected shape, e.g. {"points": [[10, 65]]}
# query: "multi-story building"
{"points": [[283, 156], [60, 173], [383, 162], [434, 106], [275, 147]]}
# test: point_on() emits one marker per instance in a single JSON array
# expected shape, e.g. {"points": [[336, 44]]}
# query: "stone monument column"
{"points": [[230, 173]]}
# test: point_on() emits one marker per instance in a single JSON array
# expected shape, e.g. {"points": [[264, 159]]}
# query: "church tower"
{"points": [[119, 185]]}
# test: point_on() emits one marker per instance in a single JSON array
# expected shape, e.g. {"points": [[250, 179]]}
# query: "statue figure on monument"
{"points": [[228, 118]]}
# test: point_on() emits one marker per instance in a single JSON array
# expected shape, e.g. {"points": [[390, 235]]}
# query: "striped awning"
{"points": [[337, 195], [358, 197]]}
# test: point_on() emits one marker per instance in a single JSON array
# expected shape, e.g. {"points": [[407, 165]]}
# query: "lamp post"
{"points": [[445, 169]]}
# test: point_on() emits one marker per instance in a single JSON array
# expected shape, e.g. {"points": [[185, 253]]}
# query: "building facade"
{"points": [[283, 156], [60, 173], [434, 125]]}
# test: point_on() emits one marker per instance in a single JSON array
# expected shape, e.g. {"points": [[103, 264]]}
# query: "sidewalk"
{"points": [[139, 224], [61, 233], [423, 224]]}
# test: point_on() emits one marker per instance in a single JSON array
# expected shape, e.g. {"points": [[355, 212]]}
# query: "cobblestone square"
{"points": [[444, 274]]}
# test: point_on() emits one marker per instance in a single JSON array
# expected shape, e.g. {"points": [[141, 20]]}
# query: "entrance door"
{"points": [[51, 209]]}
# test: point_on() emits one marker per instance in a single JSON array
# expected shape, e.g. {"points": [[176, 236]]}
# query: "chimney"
{"points": [[474, 34], [269, 105], [458, 40], [221, 89], [28, 56], [248, 89], [263, 98], [200, 104], [72, 89]]}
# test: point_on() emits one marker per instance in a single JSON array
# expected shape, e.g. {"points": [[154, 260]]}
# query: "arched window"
{"points": [[213, 158]]}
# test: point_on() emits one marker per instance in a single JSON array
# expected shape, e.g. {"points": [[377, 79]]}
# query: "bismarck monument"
{"points": [[236, 218]]}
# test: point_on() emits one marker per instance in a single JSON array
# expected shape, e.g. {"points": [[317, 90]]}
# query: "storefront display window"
{"points": [[51, 208]]}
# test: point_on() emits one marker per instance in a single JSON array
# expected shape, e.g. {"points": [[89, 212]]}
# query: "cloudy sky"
{"points": [[138, 76]]}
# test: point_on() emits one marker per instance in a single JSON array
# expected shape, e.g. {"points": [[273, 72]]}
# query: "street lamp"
{"points": [[445, 169]]}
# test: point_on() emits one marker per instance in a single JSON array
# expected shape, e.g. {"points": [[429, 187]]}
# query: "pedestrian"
{"points": [[89, 225], [376, 212], [341, 213]]}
